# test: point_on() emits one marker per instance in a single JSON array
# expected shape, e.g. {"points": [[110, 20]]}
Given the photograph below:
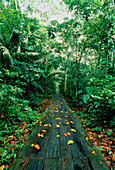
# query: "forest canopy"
{"points": [[40, 55]]}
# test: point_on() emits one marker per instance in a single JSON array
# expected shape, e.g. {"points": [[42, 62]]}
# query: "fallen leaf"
{"points": [[40, 124], [36, 121], [58, 118], [66, 112], [2, 167], [93, 152], [67, 123], [65, 134], [40, 135], [73, 130], [70, 142], [68, 134], [40, 121], [21, 130], [86, 138], [101, 162], [32, 145], [25, 130], [61, 111], [65, 116], [71, 122], [26, 108], [58, 136], [37, 146], [45, 124], [57, 125], [50, 125], [43, 131]]}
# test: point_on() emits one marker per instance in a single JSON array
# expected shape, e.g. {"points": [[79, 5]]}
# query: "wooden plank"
{"points": [[35, 164], [64, 148], [53, 143], [66, 164], [51, 164]]}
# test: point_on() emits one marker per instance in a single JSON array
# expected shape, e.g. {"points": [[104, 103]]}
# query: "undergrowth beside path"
{"points": [[100, 133], [17, 135]]}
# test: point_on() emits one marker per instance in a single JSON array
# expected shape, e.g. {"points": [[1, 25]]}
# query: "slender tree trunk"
{"points": [[65, 84]]}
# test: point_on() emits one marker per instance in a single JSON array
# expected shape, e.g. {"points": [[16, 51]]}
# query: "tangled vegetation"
{"points": [[75, 57]]}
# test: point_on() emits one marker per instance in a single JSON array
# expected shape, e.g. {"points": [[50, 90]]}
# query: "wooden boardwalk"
{"points": [[55, 153]]}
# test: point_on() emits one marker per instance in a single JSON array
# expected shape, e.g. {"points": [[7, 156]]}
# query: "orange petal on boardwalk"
{"points": [[66, 112], [70, 142], [61, 111], [67, 123], [45, 124], [50, 125], [73, 130], [43, 131], [68, 133], [65, 116], [40, 124], [71, 122], [65, 134], [32, 145], [58, 118], [37, 146], [86, 138], [58, 136], [40, 135], [57, 125]]}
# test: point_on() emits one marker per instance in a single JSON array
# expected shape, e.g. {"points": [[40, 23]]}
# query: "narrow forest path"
{"points": [[64, 144]]}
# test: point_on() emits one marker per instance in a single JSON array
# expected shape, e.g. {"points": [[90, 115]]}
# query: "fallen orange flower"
{"points": [[44, 131], [57, 125], [67, 123], [73, 130], [86, 138], [26, 108], [65, 134], [45, 124], [68, 134], [70, 142], [37, 146], [93, 152]]}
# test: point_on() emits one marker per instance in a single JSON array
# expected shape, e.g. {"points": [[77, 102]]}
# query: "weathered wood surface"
{"points": [[55, 153]]}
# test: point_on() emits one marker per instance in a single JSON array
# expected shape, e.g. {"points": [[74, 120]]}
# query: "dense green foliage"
{"points": [[75, 57], [90, 64]]}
